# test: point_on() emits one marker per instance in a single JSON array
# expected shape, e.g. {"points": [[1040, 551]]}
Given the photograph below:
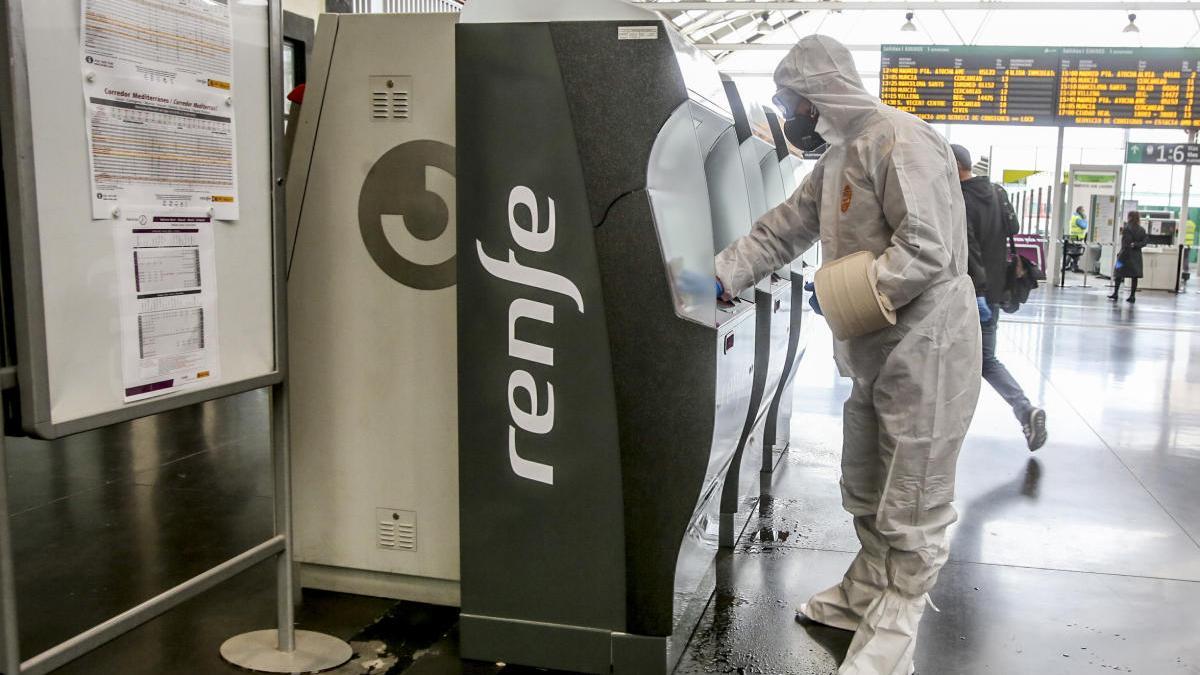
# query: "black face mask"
{"points": [[802, 132]]}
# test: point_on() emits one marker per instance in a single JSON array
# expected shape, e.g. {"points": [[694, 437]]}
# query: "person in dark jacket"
{"points": [[990, 222], [1129, 259]]}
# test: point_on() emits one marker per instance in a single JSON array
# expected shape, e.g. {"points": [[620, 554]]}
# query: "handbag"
{"points": [[1020, 278]]}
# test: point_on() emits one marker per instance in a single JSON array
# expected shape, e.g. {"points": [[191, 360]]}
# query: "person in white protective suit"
{"points": [[906, 331]]}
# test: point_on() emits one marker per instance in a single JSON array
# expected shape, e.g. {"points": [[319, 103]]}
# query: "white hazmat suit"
{"points": [[888, 184]]}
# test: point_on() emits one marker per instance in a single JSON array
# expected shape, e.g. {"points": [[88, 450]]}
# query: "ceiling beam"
{"points": [[917, 5], [868, 75], [760, 47]]}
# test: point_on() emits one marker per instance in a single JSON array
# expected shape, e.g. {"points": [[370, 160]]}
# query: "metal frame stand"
{"points": [[10, 648], [280, 650], [1055, 233], [284, 649]]}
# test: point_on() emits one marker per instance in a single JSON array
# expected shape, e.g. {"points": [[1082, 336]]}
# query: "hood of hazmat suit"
{"points": [[887, 185]]}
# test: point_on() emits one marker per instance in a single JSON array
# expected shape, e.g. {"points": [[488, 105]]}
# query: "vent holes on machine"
{"points": [[391, 97]]}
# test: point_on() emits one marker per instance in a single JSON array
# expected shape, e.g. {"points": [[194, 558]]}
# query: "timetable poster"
{"points": [[168, 301], [158, 86]]}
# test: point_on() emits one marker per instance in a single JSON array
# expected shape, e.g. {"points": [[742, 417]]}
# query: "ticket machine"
{"points": [[738, 179], [602, 388], [765, 156], [371, 310]]}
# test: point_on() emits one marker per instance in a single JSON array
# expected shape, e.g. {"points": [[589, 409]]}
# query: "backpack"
{"points": [[1005, 211]]}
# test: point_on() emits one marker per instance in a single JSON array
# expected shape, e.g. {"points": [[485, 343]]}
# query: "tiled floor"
{"points": [[1082, 558]]}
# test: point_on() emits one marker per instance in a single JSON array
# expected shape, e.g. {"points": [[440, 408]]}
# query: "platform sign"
{"points": [[1162, 153], [999, 85], [1051, 86]]}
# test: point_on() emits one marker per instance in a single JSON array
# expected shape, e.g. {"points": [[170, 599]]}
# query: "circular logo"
{"points": [[395, 186]]}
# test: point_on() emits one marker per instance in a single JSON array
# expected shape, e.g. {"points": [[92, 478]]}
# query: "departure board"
{"points": [[1052, 86], [1125, 87], [999, 85]]}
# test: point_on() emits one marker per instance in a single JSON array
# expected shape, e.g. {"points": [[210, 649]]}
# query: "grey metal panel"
{"points": [[373, 267], [524, 533], [557, 646], [306, 130], [699, 73], [525, 11], [777, 431], [772, 175], [302, 29], [674, 181], [665, 374], [639, 655], [16, 125], [751, 151], [733, 194], [392, 6]]}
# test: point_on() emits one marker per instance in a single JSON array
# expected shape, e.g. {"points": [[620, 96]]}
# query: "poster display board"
{"points": [[1049, 86], [146, 233]]}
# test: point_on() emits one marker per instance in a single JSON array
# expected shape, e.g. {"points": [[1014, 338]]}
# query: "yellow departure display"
{"points": [[1124, 87], [1052, 86]]}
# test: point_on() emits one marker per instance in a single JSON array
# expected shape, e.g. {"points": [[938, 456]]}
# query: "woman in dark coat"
{"points": [[1129, 259]]}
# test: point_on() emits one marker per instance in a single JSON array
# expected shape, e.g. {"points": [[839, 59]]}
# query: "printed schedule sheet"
{"points": [[158, 86], [168, 300]]}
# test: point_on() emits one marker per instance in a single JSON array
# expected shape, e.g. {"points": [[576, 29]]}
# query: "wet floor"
{"points": [[1081, 558]]}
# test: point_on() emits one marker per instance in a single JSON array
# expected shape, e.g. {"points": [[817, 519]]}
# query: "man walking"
{"points": [[990, 222]]}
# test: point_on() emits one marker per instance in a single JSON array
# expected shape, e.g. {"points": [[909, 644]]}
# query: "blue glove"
{"points": [[985, 312], [720, 288], [812, 299], [695, 284]]}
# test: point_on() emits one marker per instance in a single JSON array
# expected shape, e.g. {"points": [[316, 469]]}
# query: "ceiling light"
{"points": [[1132, 27], [910, 27], [764, 24]]}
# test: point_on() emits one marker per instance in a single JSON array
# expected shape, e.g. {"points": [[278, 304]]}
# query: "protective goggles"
{"points": [[786, 101]]}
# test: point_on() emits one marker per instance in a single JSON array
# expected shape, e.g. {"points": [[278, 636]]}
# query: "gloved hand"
{"points": [[812, 299], [720, 288], [694, 284], [985, 312]]}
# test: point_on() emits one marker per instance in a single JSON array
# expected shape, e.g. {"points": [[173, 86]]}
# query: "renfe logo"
{"points": [[535, 240]]}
